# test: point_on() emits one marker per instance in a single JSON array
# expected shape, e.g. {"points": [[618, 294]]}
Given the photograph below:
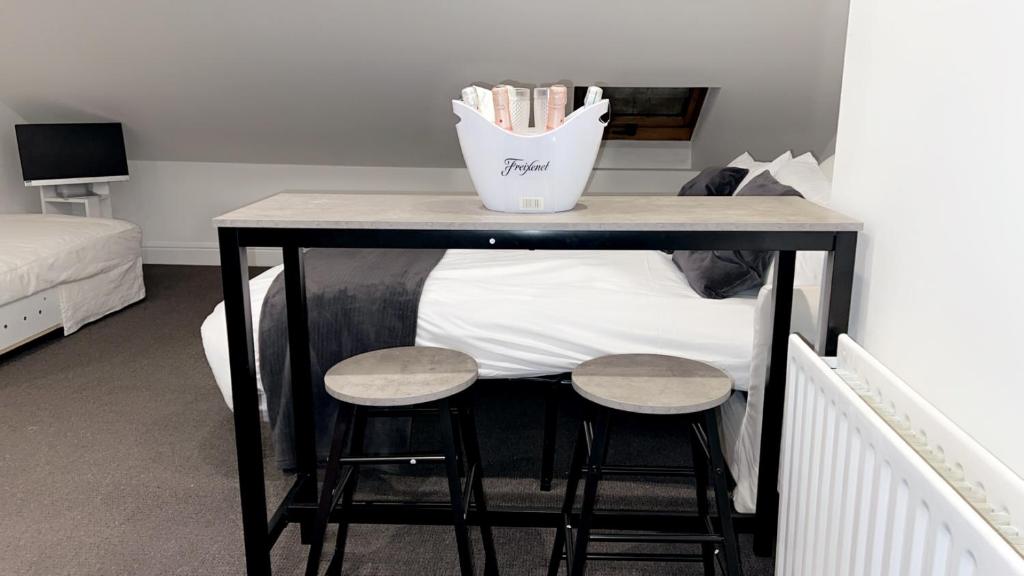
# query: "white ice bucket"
{"points": [[530, 172]]}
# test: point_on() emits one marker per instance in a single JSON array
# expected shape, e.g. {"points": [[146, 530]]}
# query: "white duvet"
{"points": [[95, 262]]}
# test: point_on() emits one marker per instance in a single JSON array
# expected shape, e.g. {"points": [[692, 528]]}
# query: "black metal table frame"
{"points": [[299, 504]]}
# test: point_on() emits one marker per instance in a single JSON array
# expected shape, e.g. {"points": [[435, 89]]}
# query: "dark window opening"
{"points": [[649, 113]]}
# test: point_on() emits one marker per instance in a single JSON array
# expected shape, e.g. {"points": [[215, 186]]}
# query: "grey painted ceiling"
{"points": [[369, 83]]}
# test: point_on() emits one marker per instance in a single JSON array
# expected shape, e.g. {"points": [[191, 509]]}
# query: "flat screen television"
{"points": [[56, 154]]}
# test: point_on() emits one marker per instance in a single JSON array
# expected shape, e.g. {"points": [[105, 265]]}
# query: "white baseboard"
{"points": [[201, 254]]}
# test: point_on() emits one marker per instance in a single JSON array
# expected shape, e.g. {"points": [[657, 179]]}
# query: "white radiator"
{"points": [[875, 481]]}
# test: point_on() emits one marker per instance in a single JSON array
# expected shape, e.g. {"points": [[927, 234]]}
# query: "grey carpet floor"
{"points": [[117, 457]]}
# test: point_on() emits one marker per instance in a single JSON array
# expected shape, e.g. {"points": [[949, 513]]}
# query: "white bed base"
{"points": [[877, 481], [29, 318], [70, 305]]}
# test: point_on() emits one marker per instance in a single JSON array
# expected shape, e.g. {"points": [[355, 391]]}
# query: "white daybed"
{"points": [[64, 271], [522, 313]]}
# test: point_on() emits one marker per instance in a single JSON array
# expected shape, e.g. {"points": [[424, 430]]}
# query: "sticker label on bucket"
{"points": [[531, 203]]}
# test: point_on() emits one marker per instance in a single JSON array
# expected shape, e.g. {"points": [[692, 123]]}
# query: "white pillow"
{"points": [[804, 174], [753, 167], [747, 161], [827, 166]]}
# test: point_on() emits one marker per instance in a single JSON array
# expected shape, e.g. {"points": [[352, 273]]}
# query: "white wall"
{"points": [[14, 197], [929, 155], [174, 202]]}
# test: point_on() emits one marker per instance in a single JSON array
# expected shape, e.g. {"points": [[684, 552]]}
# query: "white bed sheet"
{"points": [[96, 262], [522, 313]]}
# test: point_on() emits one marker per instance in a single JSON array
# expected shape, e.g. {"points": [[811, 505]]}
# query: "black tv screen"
{"points": [[71, 151]]}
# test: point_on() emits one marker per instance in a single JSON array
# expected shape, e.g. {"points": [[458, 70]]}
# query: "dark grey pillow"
{"points": [[721, 274], [714, 181]]}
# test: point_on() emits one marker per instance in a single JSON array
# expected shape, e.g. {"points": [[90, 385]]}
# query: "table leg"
{"points": [[774, 396], [837, 292], [301, 379], [248, 444]]}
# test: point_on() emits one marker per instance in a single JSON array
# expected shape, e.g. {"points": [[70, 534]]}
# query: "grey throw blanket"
{"points": [[358, 301]]}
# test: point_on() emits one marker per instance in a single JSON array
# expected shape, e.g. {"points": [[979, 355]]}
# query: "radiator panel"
{"points": [[866, 485]]}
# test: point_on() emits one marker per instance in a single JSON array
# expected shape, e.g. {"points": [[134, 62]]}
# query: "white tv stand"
{"points": [[95, 204]]}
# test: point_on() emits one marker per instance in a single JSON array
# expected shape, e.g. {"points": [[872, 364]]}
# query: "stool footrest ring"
{"points": [[391, 459], [640, 470], [656, 538], [642, 557]]}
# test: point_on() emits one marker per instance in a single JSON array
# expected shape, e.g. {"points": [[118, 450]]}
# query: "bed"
{"points": [[500, 307], [61, 271]]}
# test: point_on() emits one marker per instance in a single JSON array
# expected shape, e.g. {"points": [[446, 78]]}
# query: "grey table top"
{"points": [[334, 210]]}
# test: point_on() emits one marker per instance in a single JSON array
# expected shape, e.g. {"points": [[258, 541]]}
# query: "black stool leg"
{"points": [[722, 500], [547, 461], [471, 446], [579, 455], [455, 489], [596, 461], [460, 443], [328, 495], [358, 437], [700, 468]]}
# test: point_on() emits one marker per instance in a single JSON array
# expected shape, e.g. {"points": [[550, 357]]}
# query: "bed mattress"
{"points": [[96, 263]]}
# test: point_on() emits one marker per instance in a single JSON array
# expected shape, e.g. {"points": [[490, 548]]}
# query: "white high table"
{"points": [[297, 220]]}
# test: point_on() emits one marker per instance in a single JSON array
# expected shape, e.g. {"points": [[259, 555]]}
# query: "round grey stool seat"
{"points": [[401, 376], [651, 383]]}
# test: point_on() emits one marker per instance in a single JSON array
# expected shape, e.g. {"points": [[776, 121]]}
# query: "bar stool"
{"points": [[657, 385], [386, 383]]}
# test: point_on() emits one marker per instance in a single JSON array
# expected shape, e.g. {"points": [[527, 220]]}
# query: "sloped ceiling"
{"points": [[369, 83]]}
